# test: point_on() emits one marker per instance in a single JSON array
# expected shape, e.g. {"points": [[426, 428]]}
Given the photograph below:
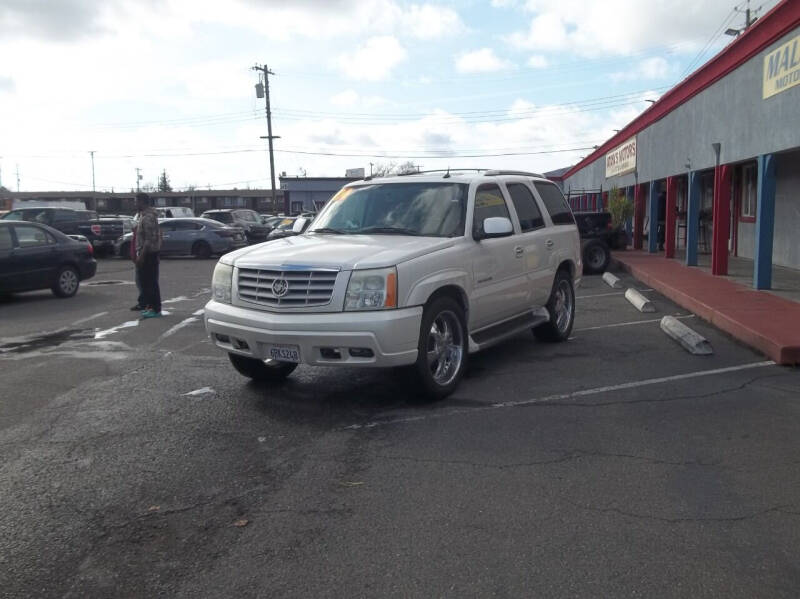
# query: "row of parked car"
{"points": [[215, 232]]}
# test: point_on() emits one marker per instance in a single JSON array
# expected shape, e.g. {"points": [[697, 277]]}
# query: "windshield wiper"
{"points": [[387, 231], [328, 230]]}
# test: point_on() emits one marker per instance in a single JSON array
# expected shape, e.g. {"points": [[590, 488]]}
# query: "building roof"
{"points": [[779, 21], [80, 195]]}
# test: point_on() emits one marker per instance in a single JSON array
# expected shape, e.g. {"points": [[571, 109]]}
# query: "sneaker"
{"points": [[151, 314]]}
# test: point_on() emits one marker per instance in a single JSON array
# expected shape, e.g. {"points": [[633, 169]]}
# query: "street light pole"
{"points": [[91, 153]]}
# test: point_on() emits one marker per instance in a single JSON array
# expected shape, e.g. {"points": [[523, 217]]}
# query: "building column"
{"points": [[670, 220], [638, 216], [594, 202], [693, 218], [721, 219], [765, 222], [652, 235], [629, 223]]}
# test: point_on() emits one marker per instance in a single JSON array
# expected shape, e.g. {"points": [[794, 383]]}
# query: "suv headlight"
{"points": [[372, 289], [221, 282]]}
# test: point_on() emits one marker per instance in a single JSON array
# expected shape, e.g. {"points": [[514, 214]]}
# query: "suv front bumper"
{"points": [[391, 335]]}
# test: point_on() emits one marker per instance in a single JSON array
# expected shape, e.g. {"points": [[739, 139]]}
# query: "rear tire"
{"points": [[67, 282], [442, 348], [596, 257], [561, 307], [201, 250], [260, 370]]}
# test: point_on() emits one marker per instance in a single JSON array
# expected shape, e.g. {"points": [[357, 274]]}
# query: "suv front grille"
{"points": [[278, 288]]}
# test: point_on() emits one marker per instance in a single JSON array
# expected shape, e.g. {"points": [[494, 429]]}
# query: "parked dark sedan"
{"points": [[248, 220], [198, 237], [34, 256]]}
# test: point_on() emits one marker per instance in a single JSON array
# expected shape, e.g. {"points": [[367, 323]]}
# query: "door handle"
{"points": [[549, 244], [518, 251]]}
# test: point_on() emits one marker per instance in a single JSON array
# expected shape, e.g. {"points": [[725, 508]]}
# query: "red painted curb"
{"points": [[763, 321]]}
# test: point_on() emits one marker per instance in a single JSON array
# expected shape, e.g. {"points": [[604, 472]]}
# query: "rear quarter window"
{"points": [[555, 203]]}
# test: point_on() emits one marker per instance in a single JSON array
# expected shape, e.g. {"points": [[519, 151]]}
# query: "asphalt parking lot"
{"points": [[137, 462]]}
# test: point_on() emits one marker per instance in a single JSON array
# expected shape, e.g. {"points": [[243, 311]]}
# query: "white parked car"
{"points": [[417, 270]]}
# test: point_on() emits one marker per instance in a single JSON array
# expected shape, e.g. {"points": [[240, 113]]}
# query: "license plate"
{"points": [[284, 353]]}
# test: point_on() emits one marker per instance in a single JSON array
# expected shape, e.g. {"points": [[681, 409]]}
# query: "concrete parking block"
{"points": [[639, 301], [612, 280], [691, 341]]}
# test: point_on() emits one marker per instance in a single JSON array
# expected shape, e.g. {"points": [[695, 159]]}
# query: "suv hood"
{"points": [[340, 251]]}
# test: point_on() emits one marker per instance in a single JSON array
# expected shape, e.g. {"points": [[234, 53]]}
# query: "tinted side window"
{"points": [[489, 202], [555, 203], [14, 215], [187, 225], [62, 216], [527, 210], [5, 238], [28, 237]]}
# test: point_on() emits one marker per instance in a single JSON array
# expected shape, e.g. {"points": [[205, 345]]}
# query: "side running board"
{"points": [[499, 332]]}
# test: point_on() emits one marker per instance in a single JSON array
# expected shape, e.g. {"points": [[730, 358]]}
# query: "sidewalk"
{"points": [[762, 320]]}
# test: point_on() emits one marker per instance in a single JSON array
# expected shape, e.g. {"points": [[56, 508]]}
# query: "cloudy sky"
{"points": [[167, 84]]}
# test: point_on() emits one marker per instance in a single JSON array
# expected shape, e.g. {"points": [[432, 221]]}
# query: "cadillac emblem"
{"points": [[280, 287]]}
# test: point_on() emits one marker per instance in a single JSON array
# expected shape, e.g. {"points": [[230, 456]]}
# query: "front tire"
{"points": [[67, 282], [442, 349], [260, 370], [561, 307]]}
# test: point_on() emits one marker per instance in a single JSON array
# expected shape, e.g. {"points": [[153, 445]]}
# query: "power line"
{"points": [[731, 15]]}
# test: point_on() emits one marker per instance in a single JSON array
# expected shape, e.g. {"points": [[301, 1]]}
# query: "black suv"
{"points": [[248, 220]]}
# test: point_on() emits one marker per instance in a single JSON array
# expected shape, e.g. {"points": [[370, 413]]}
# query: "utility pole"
{"points": [[91, 153], [17, 178], [264, 70], [370, 168], [138, 178], [1, 172]]}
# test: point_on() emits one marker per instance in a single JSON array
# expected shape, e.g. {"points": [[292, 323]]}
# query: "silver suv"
{"points": [[416, 270]]}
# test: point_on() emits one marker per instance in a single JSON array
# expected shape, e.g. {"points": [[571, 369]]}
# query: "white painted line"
{"points": [[689, 339], [639, 301], [180, 298], [627, 324], [565, 396], [125, 325], [201, 391], [199, 312], [88, 318], [174, 329], [612, 280]]}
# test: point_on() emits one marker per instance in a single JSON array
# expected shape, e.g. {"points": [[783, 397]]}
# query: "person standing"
{"points": [[148, 246], [140, 299]]}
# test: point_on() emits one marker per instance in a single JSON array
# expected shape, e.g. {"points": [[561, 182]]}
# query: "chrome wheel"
{"points": [[445, 347], [564, 304]]}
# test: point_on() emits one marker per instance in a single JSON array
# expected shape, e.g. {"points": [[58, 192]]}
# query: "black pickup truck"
{"points": [[598, 238], [100, 232]]}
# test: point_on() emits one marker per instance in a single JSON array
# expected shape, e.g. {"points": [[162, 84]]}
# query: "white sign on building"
{"points": [[355, 172], [782, 68], [621, 159]]}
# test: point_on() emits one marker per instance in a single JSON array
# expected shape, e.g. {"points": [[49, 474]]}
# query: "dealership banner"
{"points": [[621, 159], [782, 68]]}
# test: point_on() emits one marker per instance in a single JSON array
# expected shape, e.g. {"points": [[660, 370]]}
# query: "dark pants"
{"points": [[148, 278], [139, 300]]}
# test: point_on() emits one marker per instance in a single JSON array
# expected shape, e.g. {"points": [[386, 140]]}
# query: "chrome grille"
{"points": [[312, 287]]}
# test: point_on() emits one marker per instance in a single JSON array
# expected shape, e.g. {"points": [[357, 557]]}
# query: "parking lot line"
{"points": [[565, 396], [627, 324], [607, 294]]}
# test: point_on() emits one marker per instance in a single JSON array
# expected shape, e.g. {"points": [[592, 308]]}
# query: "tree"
{"points": [[387, 169], [163, 182]]}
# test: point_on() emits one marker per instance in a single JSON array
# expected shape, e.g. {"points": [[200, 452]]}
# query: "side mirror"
{"points": [[300, 224], [495, 226]]}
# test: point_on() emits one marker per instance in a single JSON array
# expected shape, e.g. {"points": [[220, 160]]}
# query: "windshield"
{"points": [[426, 209]]}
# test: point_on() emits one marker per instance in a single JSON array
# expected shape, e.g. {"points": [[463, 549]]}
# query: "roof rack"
{"points": [[495, 173], [440, 170]]}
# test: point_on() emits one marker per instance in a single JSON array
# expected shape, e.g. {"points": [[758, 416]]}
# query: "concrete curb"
{"points": [[612, 281], [639, 301], [691, 341]]}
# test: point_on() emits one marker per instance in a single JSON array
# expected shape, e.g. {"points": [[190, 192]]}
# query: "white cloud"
{"points": [[481, 61], [428, 21], [617, 27], [649, 68], [374, 60], [537, 61]]}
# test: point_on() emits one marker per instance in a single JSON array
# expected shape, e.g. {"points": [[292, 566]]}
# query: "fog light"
{"points": [[361, 352], [223, 338], [330, 353]]}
